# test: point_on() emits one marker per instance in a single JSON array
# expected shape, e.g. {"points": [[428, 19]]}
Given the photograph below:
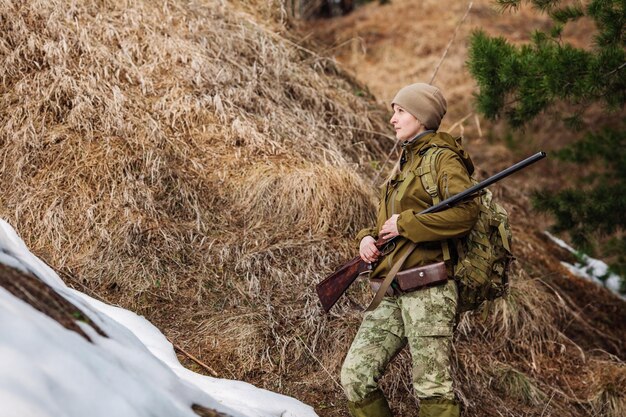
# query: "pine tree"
{"points": [[520, 82]]}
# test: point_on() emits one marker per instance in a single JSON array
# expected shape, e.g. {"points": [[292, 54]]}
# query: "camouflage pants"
{"points": [[424, 319]]}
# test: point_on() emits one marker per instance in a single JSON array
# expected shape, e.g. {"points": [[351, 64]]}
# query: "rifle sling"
{"points": [[389, 278]]}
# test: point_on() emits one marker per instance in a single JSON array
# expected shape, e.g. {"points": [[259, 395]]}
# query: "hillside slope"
{"points": [[67, 354], [182, 160], [389, 46], [187, 162]]}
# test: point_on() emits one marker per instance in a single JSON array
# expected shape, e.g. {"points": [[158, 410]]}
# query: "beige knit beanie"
{"points": [[423, 101]]}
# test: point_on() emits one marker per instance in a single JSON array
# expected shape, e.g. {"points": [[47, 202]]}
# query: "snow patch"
{"points": [[49, 371], [591, 268]]}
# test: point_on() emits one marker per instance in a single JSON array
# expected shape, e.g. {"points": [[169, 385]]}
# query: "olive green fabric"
{"points": [[483, 256], [375, 405], [439, 407], [425, 320], [405, 195]]}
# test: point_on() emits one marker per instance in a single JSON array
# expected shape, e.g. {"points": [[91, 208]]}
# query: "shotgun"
{"points": [[332, 287]]}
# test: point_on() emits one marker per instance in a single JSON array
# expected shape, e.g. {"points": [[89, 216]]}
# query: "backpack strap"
{"points": [[427, 172]]}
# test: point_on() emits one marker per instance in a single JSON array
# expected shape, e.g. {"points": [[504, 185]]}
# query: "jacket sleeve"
{"points": [[370, 231], [373, 231], [452, 178]]}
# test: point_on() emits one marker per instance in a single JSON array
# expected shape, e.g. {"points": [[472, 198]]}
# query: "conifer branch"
{"points": [[616, 70]]}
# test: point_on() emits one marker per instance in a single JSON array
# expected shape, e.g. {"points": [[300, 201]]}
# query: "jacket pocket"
{"points": [[401, 191]]}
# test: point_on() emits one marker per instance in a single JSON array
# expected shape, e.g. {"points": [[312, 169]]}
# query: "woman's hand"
{"points": [[368, 250], [390, 228]]}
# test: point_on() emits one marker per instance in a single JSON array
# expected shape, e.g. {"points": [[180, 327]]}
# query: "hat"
{"points": [[423, 101]]}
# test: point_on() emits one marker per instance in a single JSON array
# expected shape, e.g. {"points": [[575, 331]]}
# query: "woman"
{"points": [[424, 318]]}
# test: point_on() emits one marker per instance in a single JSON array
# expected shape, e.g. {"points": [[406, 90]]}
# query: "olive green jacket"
{"points": [[453, 168]]}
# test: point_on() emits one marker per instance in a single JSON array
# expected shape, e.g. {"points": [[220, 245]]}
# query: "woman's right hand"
{"points": [[368, 250]]}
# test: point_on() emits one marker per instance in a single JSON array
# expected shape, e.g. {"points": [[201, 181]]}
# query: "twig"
{"points": [[318, 361], [451, 128], [97, 296], [386, 161], [548, 404], [85, 288], [193, 358], [445, 53], [282, 38], [374, 132], [480, 132], [615, 70], [350, 41], [469, 7]]}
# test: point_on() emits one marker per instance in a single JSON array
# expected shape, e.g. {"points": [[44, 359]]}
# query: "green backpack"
{"points": [[484, 254]]}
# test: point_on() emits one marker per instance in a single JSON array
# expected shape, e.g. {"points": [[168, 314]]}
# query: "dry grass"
{"points": [[188, 161], [307, 199], [515, 384], [183, 160], [609, 398], [125, 124]]}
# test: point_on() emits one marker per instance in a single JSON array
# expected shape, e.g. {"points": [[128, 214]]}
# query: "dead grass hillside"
{"points": [[184, 161], [187, 161]]}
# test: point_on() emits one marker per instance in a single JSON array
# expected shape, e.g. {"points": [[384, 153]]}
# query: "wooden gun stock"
{"points": [[338, 282], [332, 287]]}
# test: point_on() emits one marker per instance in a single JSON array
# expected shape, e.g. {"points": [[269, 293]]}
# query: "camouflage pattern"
{"points": [[424, 319]]}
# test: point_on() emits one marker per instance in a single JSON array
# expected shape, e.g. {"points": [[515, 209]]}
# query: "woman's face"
{"points": [[405, 124]]}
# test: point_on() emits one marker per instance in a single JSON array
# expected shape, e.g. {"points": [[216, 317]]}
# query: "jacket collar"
{"points": [[418, 142]]}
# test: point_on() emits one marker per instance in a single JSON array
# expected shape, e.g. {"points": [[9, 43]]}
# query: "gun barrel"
{"points": [[455, 199], [331, 288]]}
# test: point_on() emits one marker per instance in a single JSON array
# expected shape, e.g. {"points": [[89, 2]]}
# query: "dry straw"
{"points": [[184, 160]]}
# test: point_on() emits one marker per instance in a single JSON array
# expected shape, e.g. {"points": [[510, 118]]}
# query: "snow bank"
{"points": [[49, 371]]}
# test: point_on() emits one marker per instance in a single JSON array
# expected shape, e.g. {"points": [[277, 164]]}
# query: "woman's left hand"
{"points": [[390, 228]]}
